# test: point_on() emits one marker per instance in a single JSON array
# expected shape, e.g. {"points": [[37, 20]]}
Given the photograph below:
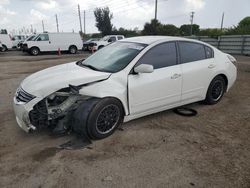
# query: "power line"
{"points": [[191, 20], [222, 21], [57, 26], [84, 22], [80, 19], [43, 26], [156, 9]]}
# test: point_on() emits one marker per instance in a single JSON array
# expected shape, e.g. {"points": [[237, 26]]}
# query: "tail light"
{"points": [[232, 59]]}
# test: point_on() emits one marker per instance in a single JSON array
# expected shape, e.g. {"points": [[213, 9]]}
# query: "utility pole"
{"points": [[84, 21], [222, 21], [80, 18], [156, 3], [57, 24], [31, 28], [191, 20], [43, 26]]}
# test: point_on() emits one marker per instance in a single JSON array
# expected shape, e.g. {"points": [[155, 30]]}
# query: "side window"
{"points": [[209, 52], [113, 39], [160, 56], [190, 51], [43, 37], [120, 37]]}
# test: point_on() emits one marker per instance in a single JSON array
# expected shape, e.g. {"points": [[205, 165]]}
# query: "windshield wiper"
{"points": [[90, 66]]}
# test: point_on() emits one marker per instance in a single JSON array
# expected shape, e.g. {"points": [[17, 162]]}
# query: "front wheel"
{"points": [[216, 90], [34, 51], [98, 117]]}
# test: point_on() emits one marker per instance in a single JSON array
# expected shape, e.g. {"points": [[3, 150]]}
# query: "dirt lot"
{"points": [[211, 149]]}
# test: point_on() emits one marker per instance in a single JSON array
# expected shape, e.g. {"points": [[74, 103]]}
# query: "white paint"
{"points": [[141, 94]]}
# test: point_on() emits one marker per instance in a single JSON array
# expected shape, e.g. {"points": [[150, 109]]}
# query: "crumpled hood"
{"points": [[47, 81]]}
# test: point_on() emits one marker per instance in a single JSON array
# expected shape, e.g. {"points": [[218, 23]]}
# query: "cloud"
{"points": [[37, 15], [47, 5], [4, 2], [195, 5]]}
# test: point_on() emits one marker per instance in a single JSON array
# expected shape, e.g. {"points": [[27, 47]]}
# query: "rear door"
{"points": [[198, 65], [149, 92]]}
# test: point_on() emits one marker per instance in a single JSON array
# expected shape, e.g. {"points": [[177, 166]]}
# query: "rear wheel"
{"points": [[72, 49], [34, 51], [98, 117], [216, 90], [4, 48]]}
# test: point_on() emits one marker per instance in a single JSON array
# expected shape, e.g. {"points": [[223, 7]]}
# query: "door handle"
{"points": [[211, 66], [175, 76]]}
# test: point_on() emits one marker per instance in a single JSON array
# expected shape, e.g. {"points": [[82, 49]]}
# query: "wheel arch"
{"points": [[225, 79], [73, 45], [35, 47]]}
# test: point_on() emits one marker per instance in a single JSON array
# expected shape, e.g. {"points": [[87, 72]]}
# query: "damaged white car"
{"points": [[128, 79]]}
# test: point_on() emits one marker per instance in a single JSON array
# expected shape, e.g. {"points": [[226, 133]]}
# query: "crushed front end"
{"points": [[54, 111]]}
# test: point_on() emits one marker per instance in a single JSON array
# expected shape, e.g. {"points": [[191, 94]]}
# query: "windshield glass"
{"points": [[113, 57], [31, 37]]}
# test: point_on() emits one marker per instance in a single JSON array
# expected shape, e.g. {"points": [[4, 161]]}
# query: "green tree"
{"points": [[211, 32], [151, 28], [245, 22], [168, 29], [186, 29], [103, 20], [243, 27], [125, 32]]}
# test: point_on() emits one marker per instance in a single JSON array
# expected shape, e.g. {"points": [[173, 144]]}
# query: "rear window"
{"points": [[209, 52], [191, 51]]}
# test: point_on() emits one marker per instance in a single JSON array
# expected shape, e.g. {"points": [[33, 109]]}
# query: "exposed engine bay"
{"points": [[55, 111]]}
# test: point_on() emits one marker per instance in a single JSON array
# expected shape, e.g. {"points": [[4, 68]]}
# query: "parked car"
{"points": [[97, 45], [16, 39], [29, 38], [6, 42], [126, 80], [49, 42], [87, 42]]}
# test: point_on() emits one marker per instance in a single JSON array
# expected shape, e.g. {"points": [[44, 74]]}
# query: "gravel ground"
{"points": [[211, 149]]}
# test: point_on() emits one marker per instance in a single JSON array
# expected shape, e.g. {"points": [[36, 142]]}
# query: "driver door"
{"points": [[161, 89], [44, 43]]}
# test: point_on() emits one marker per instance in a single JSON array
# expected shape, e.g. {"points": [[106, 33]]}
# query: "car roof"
{"points": [[152, 39]]}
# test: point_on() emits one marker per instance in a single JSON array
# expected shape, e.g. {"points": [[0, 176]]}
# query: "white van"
{"points": [[49, 42], [6, 42]]}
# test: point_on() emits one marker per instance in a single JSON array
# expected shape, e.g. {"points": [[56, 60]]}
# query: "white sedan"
{"points": [[126, 80]]}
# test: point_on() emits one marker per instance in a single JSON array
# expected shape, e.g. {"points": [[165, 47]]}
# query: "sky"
{"points": [[16, 15]]}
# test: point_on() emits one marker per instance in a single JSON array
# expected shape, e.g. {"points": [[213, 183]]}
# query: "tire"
{"points": [[100, 47], [215, 90], [183, 111], [72, 50], [34, 51], [98, 118], [4, 49]]}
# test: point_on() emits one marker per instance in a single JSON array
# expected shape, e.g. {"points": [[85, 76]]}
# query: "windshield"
{"points": [[30, 37], [113, 57]]}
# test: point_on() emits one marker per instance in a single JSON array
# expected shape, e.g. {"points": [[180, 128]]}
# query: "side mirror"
{"points": [[144, 68]]}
